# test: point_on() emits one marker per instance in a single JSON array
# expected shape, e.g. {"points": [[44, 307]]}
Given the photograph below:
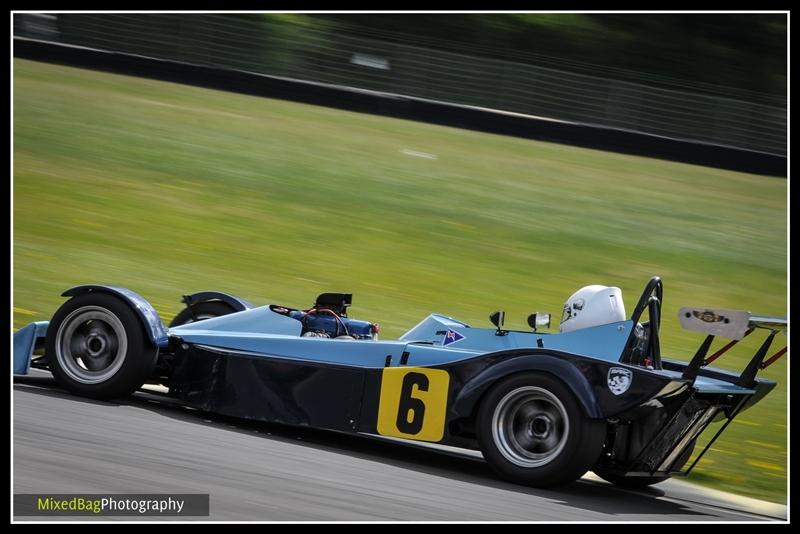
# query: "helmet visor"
{"points": [[566, 314]]}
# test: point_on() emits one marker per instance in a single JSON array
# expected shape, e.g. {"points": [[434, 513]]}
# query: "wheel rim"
{"points": [[530, 426], [91, 345]]}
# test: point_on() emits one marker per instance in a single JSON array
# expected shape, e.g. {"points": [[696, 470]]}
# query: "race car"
{"points": [[543, 408]]}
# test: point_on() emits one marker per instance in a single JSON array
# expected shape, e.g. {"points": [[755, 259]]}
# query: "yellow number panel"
{"points": [[413, 403]]}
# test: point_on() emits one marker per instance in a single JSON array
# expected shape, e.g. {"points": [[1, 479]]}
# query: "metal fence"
{"points": [[250, 42]]}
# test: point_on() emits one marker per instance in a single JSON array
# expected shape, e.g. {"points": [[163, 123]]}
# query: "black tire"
{"points": [[201, 311], [554, 442], [97, 347], [643, 482]]}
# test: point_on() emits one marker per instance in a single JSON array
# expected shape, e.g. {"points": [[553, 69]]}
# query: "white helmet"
{"points": [[592, 306]]}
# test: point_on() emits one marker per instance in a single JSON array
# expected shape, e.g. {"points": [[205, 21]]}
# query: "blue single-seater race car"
{"points": [[543, 408]]}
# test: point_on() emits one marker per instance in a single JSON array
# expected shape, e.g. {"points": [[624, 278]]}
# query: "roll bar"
{"points": [[651, 299]]}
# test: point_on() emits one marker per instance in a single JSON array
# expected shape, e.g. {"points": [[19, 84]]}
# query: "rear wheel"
{"points": [[201, 311], [532, 431], [96, 347]]}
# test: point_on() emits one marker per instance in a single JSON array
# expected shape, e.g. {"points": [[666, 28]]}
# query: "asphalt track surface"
{"points": [[267, 472]]}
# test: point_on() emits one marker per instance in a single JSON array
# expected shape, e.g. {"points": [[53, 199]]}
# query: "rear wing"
{"points": [[734, 325]]}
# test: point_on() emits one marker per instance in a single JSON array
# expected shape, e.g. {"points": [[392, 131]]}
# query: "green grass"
{"points": [[168, 189]]}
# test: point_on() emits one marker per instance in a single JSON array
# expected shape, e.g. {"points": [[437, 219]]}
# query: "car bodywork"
{"points": [[428, 384]]}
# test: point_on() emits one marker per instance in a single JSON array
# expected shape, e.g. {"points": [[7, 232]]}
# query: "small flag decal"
{"points": [[451, 337]]}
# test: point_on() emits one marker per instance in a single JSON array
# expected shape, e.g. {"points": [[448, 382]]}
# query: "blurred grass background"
{"points": [[168, 189]]}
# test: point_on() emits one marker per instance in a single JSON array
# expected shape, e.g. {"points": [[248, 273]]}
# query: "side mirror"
{"points": [[539, 319], [497, 319]]}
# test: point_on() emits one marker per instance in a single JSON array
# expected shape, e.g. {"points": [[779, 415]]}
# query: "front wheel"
{"points": [[96, 347], [532, 431]]}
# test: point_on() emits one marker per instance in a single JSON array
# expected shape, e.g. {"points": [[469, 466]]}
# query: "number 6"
{"points": [[411, 404]]}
